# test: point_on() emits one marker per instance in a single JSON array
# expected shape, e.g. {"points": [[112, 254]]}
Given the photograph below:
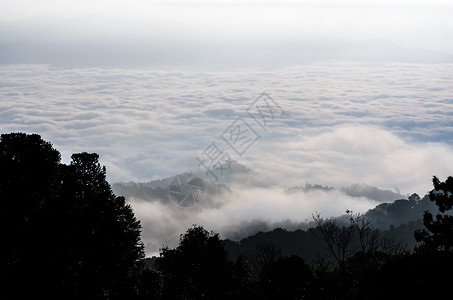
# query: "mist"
{"points": [[240, 214]]}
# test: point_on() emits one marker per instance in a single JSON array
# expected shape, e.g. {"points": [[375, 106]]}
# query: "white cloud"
{"points": [[163, 223], [347, 154], [382, 124]]}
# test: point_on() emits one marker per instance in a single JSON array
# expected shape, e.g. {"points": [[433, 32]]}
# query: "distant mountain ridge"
{"points": [[227, 174], [397, 220], [160, 190], [355, 190], [401, 211]]}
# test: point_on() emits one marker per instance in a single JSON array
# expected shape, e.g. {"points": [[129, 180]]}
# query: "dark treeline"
{"points": [[308, 246], [66, 235], [395, 221]]}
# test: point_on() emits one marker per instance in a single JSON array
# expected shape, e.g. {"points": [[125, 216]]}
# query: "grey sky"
{"points": [[211, 33]]}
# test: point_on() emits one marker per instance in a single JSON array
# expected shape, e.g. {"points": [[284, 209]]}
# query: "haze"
{"points": [[223, 33]]}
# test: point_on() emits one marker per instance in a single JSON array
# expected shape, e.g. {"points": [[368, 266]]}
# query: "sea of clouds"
{"points": [[388, 125]]}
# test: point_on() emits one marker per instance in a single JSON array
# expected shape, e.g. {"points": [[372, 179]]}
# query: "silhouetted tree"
{"points": [[29, 168], [243, 284], [339, 240], [342, 242], [438, 235], [264, 256], [99, 228], [65, 234], [370, 239], [146, 282], [197, 269], [286, 278]]}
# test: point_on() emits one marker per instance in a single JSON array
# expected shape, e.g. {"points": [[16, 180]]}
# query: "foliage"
{"points": [[264, 256], [285, 278], [438, 235], [343, 242], [197, 269], [64, 231]]}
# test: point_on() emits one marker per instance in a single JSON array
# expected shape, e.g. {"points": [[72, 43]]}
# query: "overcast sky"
{"points": [[218, 33]]}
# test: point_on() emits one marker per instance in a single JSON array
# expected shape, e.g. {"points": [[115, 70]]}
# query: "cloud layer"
{"points": [[386, 125], [244, 213]]}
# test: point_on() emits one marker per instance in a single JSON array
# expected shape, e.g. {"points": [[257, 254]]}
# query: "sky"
{"points": [[223, 33], [360, 91]]}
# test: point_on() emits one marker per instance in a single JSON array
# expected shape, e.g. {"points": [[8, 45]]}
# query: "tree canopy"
{"points": [[438, 235], [197, 269], [64, 231]]}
